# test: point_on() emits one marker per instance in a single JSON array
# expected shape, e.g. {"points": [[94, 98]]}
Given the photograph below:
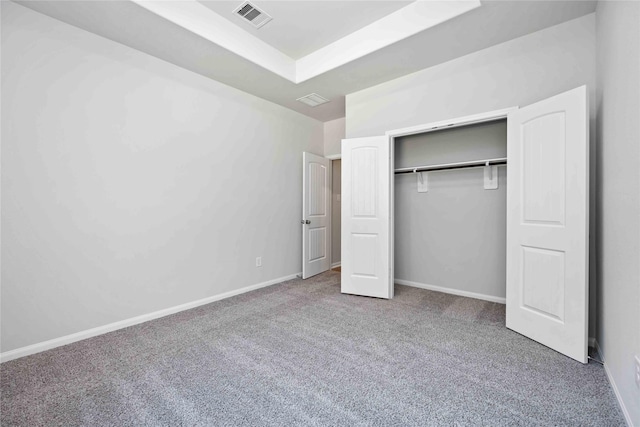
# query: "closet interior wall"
{"points": [[454, 235]]}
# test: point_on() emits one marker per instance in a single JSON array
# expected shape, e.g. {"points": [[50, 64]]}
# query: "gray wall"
{"points": [[333, 136], [336, 206], [454, 235], [516, 73], [130, 185], [618, 201]]}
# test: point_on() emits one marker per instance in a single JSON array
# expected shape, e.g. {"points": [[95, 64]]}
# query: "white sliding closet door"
{"points": [[547, 222], [366, 217]]}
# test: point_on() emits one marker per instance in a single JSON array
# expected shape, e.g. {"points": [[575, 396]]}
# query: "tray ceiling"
{"points": [[419, 35]]}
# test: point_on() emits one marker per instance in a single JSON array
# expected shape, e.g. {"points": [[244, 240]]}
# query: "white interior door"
{"points": [[366, 217], [316, 215], [547, 222]]}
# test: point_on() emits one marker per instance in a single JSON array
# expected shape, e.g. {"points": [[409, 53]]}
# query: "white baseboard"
{"points": [[451, 291], [335, 264], [625, 412], [89, 333]]}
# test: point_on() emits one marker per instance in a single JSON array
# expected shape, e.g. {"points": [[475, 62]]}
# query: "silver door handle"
{"points": [[305, 221]]}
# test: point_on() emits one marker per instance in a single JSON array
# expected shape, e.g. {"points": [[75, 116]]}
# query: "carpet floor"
{"points": [[301, 353]]}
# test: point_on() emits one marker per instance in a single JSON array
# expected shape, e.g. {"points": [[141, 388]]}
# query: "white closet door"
{"points": [[316, 215], [547, 222], [366, 217]]}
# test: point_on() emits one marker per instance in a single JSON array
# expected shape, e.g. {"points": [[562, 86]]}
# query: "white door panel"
{"points": [[316, 214], [366, 217], [547, 222]]}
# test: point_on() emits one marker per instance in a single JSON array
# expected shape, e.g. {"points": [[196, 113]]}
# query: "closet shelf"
{"points": [[457, 165]]}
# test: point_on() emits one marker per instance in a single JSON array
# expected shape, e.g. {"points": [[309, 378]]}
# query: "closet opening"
{"points": [[449, 208]]}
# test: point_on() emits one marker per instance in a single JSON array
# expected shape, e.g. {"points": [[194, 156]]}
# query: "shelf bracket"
{"points": [[490, 177], [423, 180]]}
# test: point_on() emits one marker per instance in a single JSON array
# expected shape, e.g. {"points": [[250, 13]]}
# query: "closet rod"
{"points": [[457, 165]]}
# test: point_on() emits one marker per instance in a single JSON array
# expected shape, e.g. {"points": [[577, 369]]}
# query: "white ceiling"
{"points": [[357, 61], [299, 28]]}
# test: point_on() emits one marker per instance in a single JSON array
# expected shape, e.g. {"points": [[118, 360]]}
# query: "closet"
{"points": [[450, 225], [401, 225]]}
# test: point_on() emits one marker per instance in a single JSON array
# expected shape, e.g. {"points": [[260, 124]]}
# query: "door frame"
{"points": [[333, 157], [488, 116]]}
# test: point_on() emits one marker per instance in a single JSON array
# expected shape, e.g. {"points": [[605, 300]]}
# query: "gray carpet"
{"points": [[300, 353]]}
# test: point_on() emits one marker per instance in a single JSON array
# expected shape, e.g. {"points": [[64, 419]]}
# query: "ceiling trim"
{"points": [[411, 19]]}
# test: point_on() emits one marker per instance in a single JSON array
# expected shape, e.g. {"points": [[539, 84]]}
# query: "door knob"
{"points": [[305, 221]]}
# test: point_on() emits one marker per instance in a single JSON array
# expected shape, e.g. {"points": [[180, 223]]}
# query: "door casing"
{"points": [[489, 116]]}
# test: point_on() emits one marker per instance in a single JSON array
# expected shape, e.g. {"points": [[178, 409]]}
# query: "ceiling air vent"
{"points": [[313, 100], [251, 13]]}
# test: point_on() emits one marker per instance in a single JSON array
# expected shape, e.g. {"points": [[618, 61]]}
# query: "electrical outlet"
{"points": [[638, 371], [259, 261]]}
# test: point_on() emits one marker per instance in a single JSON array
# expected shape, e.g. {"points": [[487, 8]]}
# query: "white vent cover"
{"points": [[313, 100], [251, 13]]}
